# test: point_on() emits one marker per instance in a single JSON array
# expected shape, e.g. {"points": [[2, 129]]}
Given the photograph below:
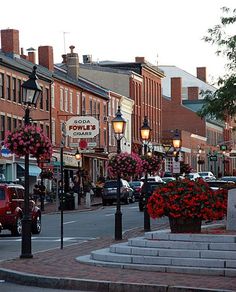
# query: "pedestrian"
{"points": [[42, 194], [36, 192]]}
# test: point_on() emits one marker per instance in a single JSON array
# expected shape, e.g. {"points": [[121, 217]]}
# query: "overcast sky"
{"points": [[169, 31]]}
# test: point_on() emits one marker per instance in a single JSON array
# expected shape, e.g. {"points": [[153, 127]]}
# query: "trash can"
{"points": [[69, 201]]}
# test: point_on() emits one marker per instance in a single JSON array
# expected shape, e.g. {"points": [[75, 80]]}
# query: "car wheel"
{"points": [[132, 199], [17, 229], [36, 225], [104, 202]]}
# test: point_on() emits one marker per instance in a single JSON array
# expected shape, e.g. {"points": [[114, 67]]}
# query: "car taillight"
{"points": [[139, 189]]}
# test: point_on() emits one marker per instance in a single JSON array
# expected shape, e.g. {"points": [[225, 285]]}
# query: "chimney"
{"points": [[201, 73], [73, 64], [193, 93], [64, 58], [10, 41], [22, 55], [45, 55], [176, 90], [31, 55], [139, 59]]}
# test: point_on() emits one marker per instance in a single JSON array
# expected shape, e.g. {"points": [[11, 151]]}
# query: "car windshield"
{"points": [[229, 178], [203, 173], [110, 184], [2, 194], [135, 183]]}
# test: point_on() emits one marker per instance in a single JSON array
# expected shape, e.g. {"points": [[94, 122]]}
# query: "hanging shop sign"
{"points": [[82, 127]]}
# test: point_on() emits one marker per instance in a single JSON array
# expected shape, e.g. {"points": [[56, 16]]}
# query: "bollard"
{"points": [[88, 200]]}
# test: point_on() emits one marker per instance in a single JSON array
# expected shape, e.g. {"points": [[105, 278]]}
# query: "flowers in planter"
{"points": [[124, 164], [29, 140], [151, 164], [188, 199]]}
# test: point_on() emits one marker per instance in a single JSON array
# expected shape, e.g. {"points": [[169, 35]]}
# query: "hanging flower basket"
{"points": [[125, 164], [187, 202], [151, 164], [29, 140]]}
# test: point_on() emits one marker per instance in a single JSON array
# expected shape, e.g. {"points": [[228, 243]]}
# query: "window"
{"points": [[9, 123], [105, 110], [14, 88], [91, 106], [61, 99], [53, 132], [53, 96], [14, 123], [47, 99], [19, 90], [78, 103], [2, 128], [71, 102], [8, 87], [1, 85], [47, 130], [66, 100], [83, 105], [95, 107]]}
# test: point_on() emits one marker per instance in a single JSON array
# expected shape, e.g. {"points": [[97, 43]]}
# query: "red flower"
{"points": [[188, 199]]}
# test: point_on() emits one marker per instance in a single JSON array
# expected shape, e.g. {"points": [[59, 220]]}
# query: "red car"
{"points": [[11, 209]]}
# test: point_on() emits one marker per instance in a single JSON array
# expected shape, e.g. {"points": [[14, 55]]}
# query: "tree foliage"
{"points": [[221, 104]]}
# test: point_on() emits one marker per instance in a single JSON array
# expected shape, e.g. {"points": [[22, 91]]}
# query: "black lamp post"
{"points": [[30, 93], [118, 124], [145, 132]]}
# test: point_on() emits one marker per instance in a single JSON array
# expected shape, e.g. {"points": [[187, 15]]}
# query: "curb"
{"points": [[92, 285]]}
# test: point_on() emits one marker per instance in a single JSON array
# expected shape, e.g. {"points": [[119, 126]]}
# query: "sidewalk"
{"points": [[58, 269]]}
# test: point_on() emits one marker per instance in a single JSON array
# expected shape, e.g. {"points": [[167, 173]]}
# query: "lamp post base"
{"points": [[147, 225], [118, 225], [26, 239]]}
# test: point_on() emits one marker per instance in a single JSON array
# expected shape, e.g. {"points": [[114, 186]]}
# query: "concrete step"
{"points": [[125, 248], [203, 254]]}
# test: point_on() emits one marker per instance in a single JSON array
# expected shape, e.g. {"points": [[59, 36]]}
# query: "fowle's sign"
{"points": [[82, 127]]}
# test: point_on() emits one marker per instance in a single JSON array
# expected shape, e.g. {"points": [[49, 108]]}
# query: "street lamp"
{"points": [[118, 125], [30, 93], [176, 144], [145, 132]]}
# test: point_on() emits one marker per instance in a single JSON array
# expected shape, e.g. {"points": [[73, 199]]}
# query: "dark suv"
{"points": [[109, 194], [151, 187], [11, 209]]}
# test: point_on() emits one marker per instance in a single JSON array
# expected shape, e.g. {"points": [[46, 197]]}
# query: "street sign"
{"points": [[176, 167], [82, 127]]}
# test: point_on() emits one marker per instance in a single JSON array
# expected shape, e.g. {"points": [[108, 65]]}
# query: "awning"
{"points": [[34, 170]]}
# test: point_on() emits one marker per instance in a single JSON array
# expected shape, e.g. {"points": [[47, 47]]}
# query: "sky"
{"points": [[166, 32]]}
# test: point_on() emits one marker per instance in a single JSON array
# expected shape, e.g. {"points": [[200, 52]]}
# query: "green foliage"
{"points": [[221, 104]]}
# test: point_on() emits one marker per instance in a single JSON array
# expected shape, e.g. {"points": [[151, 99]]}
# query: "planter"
{"points": [[185, 225]]}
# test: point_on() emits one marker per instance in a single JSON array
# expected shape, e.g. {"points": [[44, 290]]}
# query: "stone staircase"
{"points": [[162, 251]]}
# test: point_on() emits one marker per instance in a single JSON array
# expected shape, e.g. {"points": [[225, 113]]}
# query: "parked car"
{"points": [[229, 178], [206, 175], [109, 193], [167, 179], [11, 209], [221, 184], [192, 175], [150, 188], [153, 178], [136, 185]]}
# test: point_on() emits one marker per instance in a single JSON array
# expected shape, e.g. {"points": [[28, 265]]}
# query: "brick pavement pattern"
{"points": [[61, 263]]}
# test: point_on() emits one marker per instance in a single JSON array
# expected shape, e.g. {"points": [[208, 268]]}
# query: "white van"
{"points": [[153, 178]]}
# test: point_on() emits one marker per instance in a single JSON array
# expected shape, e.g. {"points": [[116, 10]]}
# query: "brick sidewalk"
{"points": [[62, 266]]}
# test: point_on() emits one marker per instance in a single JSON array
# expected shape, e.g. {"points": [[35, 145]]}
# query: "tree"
{"points": [[221, 104]]}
